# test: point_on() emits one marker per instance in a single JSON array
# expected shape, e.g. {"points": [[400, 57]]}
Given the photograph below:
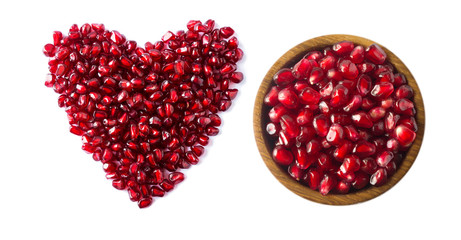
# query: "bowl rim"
{"points": [[288, 60]]}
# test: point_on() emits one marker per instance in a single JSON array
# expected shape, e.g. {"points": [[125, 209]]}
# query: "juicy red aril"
{"points": [[282, 155], [288, 98], [341, 118], [375, 54], [147, 112]]}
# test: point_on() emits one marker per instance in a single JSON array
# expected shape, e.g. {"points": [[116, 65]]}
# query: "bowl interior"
{"points": [[260, 120]]}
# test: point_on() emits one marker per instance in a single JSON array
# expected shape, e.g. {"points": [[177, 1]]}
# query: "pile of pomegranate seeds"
{"points": [[341, 118], [144, 112]]}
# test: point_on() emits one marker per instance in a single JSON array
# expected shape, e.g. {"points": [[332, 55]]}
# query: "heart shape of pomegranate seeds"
{"points": [[341, 118], [144, 112]]}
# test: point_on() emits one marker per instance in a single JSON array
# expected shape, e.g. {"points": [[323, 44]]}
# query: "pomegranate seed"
{"points": [[309, 96], [271, 98], [321, 125], [284, 77], [362, 119], [339, 96], [348, 69], [384, 158], [375, 54], [382, 90], [288, 98], [364, 149], [404, 91], [404, 135], [303, 160], [379, 177], [282, 156], [357, 54], [327, 184], [343, 48], [342, 187], [335, 134], [313, 178], [303, 68], [361, 180], [295, 172]]}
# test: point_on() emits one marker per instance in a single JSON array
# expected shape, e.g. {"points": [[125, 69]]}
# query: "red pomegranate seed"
{"points": [[361, 180], [382, 90], [335, 134], [375, 54], [404, 91], [309, 96], [271, 98], [312, 178], [303, 160], [339, 95], [327, 184], [288, 98], [295, 172], [348, 69], [362, 119], [282, 155], [384, 158], [404, 135], [342, 187], [343, 48], [379, 177], [303, 68], [357, 55], [284, 77], [321, 125], [289, 126], [364, 149]]}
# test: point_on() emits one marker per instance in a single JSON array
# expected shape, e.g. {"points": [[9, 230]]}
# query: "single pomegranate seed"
{"points": [[145, 202], [384, 158], [364, 149], [327, 184], [282, 155], [309, 96], [303, 68], [379, 177], [382, 90], [348, 69], [295, 172], [271, 98], [342, 187], [335, 134], [284, 77], [357, 55], [361, 180], [321, 125], [313, 178], [362, 119], [375, 54], [339, 96], [404, 135], [343, 48], [288, 98]]}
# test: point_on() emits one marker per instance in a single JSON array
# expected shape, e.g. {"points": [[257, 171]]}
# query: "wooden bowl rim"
{"points": [[289, 59]]}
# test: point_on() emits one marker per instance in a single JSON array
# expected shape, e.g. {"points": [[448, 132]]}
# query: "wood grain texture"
{"points": [[260, 119]]}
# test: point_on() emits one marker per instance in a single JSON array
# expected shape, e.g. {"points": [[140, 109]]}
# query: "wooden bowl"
{"points": [[260, 119]]}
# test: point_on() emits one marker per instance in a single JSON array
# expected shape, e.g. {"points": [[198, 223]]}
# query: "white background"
{"points": [[51, 189]]}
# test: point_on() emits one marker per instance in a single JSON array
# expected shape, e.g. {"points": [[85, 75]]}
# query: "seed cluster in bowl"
{"points": [[341, 118]]}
